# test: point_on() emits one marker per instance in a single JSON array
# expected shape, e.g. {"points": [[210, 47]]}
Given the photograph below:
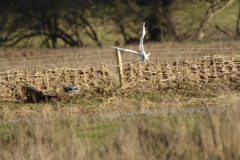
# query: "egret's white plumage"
{"points": [[142, 52]]}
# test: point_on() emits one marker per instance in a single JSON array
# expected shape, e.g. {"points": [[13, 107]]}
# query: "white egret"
{"points": [[142, 52]]}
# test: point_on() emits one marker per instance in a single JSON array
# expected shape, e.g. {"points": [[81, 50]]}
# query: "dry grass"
{"points": [[71, 127], [199, 74], [40, 59], [172, 136], [218, 96]]}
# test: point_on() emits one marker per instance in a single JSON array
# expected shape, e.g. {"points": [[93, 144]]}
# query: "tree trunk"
{"points": [[211, 12], [238, 20], [161, 27]]}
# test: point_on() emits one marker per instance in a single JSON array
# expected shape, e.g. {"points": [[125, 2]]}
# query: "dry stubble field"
{"points": [[177, 76], [74, 124]]}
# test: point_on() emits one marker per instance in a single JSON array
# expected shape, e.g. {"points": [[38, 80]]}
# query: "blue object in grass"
{"points": [[71, 89]]}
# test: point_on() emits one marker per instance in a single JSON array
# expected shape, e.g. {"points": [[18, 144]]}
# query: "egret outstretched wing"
{"points": [[141, 39], [142, 53], [125, 50]]}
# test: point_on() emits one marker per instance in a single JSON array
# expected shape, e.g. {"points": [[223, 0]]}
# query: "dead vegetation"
{"points": [[173, 136], [75, 125], [186, 74], [18, 85], [197, 73]]}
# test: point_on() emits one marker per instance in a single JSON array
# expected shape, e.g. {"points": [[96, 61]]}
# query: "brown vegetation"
{"points": [[18, 85], [175, 136], [75, 126]]}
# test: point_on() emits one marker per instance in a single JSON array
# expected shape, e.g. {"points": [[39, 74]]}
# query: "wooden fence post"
{"points": [[120, 69]]}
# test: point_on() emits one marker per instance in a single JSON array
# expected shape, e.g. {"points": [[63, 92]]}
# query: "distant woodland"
{"points": [[81, 23]]}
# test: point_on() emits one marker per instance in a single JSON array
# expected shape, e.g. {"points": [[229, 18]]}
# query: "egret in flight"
{"points": [[142, 52]]}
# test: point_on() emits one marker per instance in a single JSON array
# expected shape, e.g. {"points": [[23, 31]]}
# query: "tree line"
{"points": [[69, 20]]}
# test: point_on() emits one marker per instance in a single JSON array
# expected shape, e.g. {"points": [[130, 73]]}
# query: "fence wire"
{"points": [[108, 57]]}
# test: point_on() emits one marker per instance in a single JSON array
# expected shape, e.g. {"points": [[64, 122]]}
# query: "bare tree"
{"points": [[238, 20], [51, 21], [213, 10], [157, 14], [69, 22]]}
